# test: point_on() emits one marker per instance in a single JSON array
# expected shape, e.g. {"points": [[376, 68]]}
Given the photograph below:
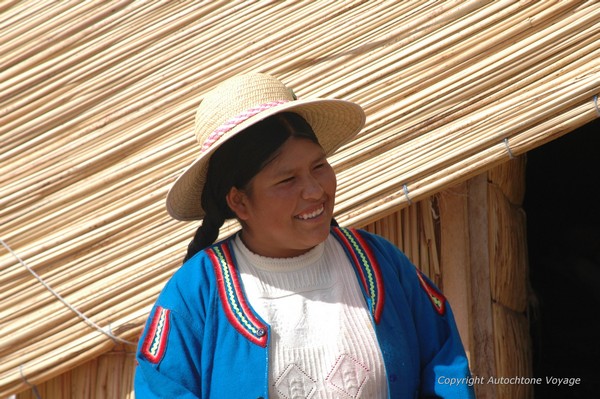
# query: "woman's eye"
{"points": [[288, 180]]}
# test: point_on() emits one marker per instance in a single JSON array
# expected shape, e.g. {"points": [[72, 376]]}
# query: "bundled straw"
{"points": [[96, 114], [413, 230]]}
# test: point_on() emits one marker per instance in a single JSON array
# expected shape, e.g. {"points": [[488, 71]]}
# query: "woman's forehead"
{"points": [[296, 150]]}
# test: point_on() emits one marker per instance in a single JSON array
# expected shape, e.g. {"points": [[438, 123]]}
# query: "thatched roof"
{"points": [[96, 113]]}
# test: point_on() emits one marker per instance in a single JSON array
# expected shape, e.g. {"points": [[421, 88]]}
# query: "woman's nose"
{"points": [[312, 188]]}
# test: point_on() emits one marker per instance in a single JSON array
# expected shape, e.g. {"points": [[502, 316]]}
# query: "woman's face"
{"points": [[288, 206]]}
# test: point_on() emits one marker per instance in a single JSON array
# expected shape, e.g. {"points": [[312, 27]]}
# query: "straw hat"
{"points": [[241, 101]]}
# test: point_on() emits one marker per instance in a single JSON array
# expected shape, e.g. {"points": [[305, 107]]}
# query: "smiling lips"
{"points": [[312, 215]]}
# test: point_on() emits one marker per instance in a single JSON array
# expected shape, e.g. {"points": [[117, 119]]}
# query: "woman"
{"points": [[290, 306]]}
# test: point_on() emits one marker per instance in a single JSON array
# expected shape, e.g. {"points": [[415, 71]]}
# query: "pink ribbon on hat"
{"points": [[233, 122]]}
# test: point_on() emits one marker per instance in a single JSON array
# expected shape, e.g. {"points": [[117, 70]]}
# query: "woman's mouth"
{"points": [[311, 215]]}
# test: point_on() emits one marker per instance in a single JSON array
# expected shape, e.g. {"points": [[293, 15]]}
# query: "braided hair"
{"points": [[235, 163]]}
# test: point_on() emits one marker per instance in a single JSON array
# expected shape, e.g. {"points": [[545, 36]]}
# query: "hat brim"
{"points": [[334, 122]]}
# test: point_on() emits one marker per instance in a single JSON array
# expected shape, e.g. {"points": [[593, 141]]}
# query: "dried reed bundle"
{"points": [[108, 376], [96, 114], [513, 351], [413, 230], [508, 252], [510, 178]]}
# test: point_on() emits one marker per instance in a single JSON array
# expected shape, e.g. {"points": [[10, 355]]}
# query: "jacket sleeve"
{"points": [[444, 369], [170, 348], [444, 366], [167, 357]]}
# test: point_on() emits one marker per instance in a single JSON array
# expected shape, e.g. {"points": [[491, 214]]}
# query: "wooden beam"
{"points": [[455, 255], [482, 327]]}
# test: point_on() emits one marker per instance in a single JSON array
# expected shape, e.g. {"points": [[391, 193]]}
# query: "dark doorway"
{"points": [[563, 224]]}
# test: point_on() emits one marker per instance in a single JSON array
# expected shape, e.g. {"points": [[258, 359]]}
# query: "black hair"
{"points": [[235, 163]]}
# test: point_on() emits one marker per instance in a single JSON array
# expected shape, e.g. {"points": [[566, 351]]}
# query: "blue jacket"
{"points": [[204, 340]]}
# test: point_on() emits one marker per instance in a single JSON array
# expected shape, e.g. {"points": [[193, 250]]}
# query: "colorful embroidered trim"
{"points": [[236, 308], [437, 299], [366, 266], [155, 343], [233, 122]]}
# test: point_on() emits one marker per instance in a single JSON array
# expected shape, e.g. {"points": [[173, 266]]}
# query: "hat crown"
{"points": [[235, 100]]}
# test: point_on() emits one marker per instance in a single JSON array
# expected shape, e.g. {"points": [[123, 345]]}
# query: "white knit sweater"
{"points": [[323, 344]]}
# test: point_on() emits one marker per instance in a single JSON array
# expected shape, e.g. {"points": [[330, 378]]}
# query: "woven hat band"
{"points": [[235, 121]]}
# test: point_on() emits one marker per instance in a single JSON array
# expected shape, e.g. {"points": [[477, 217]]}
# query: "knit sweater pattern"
{"points": [[323, 344]]}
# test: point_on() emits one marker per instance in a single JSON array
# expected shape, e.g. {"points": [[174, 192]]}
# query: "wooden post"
{"points": [[455, 257], [484, 358]]}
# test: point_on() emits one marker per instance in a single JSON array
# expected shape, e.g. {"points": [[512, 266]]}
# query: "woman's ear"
{"points": [[236, 200]]}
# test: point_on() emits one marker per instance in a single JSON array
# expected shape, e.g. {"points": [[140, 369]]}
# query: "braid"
{"points": [[208, 232]]}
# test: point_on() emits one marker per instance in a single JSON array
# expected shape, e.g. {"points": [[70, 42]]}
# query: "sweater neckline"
{"points": [[279, 264]]}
